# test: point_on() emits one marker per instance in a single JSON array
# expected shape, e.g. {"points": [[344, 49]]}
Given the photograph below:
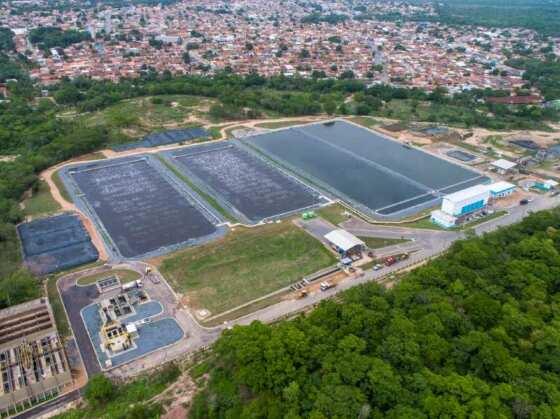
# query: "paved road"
{"points": [[50, 405], [75, 298], [431, 242]]}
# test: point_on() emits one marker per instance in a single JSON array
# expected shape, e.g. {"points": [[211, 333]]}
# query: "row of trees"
{"points": [[473, 334]]}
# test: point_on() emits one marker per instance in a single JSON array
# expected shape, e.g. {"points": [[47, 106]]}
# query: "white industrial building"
{"points": [[466, 201], [344, 242], [459, 205], [503, 166]]}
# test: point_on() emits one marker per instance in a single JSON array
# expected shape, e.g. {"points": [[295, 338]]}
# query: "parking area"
{"points": [[140, 209], [250, 187]]}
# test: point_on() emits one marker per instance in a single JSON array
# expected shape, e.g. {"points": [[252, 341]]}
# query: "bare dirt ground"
{"points": [[177, 396]]}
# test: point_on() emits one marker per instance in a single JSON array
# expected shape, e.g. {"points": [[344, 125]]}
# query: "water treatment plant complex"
{"points": [[195, 238]]}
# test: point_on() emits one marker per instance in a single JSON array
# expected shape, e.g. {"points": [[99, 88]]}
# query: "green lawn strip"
{"points": [[124, 275], [281, 124], [378, 242], [243, 311], [57, 307], [246, 264], [365, 121], [130, 400], [424, 223], [61, 187], [40, 202], [208, 198]]}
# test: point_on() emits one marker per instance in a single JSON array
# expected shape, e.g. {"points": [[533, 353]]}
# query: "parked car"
{"points": [[524, 202]]}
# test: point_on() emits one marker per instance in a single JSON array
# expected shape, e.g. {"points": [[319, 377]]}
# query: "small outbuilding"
{"points": [[546, 185], [443, 219], [501, 189], [503, 166], [344, 242]]}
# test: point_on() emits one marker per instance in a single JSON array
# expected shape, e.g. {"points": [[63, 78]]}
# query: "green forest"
{"points": [[540, 15], [475, 333]]}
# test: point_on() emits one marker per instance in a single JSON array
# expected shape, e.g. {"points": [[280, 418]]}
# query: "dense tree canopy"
{"points": [[6, 40], [474, 333], [544, 75], [47, 37]]}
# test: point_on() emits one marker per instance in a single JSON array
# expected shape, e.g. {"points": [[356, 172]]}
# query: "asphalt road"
{"points": [[50, 405], [75, 298], [429, 243]]}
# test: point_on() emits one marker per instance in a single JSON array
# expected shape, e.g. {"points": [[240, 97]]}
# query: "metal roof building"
{"points": [[344, 241], [501, 189], [503, 165]]}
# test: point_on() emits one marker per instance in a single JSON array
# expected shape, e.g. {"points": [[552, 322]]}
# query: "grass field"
{"points": [[378, 242], [334, 213], [57, 307], [40, 202], [60, 186], [244, 265], [124, 275]]}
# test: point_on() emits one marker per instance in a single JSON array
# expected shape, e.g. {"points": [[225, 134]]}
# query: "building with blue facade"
{"points": [[458, 206]]}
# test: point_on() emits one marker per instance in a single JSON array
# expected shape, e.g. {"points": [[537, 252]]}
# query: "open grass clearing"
{"points": [[40, 202], [334, 213], [125, 275], [246, 264]]}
